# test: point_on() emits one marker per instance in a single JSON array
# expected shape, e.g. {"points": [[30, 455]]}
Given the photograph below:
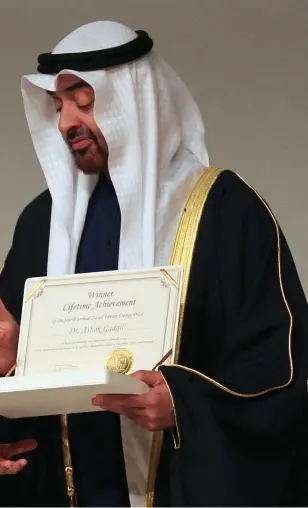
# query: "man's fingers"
{"points": [[8, 467], [23, 446], [113, 401], [149, 377], [143, 421], [133, 413]]}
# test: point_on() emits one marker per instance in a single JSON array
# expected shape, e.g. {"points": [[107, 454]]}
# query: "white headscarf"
{"points": [[155, 137]]}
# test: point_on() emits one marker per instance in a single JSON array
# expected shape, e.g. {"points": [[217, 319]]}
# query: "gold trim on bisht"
{"points": [[289, 341], [68, 466], [182, 255]]}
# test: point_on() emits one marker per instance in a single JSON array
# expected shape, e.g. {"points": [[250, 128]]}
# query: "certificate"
{"points": [[121, 321], [81, 334]]}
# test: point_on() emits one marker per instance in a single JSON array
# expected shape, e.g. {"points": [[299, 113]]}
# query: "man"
{"points": [[121, 144]]}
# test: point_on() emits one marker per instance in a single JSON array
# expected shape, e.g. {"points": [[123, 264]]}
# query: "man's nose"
{"points": [[69, 118]]}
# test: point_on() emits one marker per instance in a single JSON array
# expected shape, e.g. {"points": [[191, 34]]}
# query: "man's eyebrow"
{"points": [[71, 88]]}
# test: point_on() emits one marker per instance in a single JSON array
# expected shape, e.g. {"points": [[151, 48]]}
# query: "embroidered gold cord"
{"points": [[68, 467]]}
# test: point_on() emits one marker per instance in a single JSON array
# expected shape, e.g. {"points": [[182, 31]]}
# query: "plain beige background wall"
{"points": [[246, 62]]}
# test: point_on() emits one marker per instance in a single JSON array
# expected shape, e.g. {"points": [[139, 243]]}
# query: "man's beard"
{"points": [[92, 159]]}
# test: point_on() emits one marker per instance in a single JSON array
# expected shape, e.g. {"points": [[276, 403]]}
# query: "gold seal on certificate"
{"points": [[120, 360]]}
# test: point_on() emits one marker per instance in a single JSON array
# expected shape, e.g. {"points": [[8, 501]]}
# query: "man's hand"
{"points": [[7, 451], [9, 332], [153, 410]]}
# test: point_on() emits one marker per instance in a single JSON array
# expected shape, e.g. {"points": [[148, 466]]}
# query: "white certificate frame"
{"points": [[169, 277]]}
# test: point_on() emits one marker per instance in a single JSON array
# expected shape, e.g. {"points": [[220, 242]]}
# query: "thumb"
{"points": [[149, 377]]}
